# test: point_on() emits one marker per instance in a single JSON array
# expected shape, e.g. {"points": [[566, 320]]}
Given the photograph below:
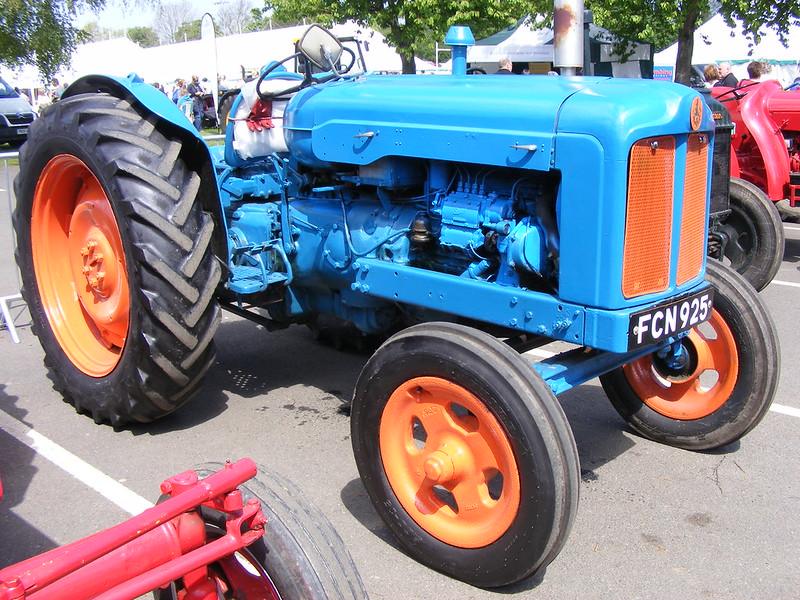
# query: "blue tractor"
{"points": [[465, 220]]}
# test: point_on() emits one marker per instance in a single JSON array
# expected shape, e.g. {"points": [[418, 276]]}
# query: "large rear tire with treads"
{"points": [[115, 254]]}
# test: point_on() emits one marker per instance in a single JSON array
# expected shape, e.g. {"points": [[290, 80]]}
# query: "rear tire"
{"points": [[93, 156], [686, 412], [225, 110], [754, 232], [301, 553], [468, 408]]}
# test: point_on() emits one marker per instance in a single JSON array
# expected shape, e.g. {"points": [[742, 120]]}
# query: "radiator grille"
{"points": [[648, 221], [693, 217], [20, 118]]}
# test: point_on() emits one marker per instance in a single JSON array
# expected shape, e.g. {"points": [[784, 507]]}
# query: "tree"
{"points": [[40, 33], [662, 22], [410, 26], [188, 31], [170, 17], [234, 16], [146, 37]]}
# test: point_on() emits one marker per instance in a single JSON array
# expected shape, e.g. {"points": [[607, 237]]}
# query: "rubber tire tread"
{"points": [[225, 109], [301, 551], [761, 211], [461, 350], [757, 382], [166, 238]]}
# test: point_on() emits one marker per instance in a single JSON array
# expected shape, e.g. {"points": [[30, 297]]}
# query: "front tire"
{"points": [[726, 392], [465, 454], [115, 255]]}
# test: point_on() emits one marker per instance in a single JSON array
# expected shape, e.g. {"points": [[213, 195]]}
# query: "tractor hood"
{"points": [[492, 120]]}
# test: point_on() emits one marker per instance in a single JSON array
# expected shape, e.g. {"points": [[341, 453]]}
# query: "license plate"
{"points": [[659, 322], [22, 131]]}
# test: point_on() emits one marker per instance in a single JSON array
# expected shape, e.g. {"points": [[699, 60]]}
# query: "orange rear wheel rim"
{"points": [[79, 263], [691, 397], [460, 483]]}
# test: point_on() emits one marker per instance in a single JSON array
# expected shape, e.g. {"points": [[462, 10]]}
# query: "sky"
{"points": [[142, 13]]}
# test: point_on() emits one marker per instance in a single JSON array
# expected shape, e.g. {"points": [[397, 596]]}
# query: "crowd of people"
{"points": [[720, 75], [191, 96]]}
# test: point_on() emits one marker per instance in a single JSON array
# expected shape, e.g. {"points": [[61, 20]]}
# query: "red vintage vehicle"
{"points": [[206, 539], [765, 147]]}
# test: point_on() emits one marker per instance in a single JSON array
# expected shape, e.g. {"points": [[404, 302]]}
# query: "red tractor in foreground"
{"points": [[765, 147], [206, 539], [745, 229]]}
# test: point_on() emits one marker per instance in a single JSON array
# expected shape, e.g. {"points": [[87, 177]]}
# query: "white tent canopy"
{"points": [[715, 42], [166, 63], [525, 44]]}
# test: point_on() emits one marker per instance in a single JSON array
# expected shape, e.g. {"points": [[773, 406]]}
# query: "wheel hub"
{"points": [[678, 363], [79, 264], [682, 393], [96, 269], [449, 462]]}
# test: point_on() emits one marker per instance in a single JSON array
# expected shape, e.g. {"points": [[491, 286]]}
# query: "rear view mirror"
{"points": [[321, 47]]}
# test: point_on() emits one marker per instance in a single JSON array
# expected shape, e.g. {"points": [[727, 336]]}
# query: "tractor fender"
{"points": [[169, 117], [769, 139]]}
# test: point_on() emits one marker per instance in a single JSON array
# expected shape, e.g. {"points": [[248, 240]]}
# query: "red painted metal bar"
{"points": [[38, 572], [175, 569], [153, 549]]}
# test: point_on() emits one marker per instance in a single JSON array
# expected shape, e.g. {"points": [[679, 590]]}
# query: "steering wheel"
{"points": [[735, 92], [307, 80], [476, 71]]}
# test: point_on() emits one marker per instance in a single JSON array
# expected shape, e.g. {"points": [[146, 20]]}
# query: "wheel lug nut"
{"points": [[84, 251], [439, 467], [86, 270]]}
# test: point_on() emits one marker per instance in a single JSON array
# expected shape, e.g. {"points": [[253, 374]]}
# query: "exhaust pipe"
{"points": [[568, 36]]}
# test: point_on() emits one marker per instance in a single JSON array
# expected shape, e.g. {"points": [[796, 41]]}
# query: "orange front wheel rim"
{"points": [[79, 263], [449, 462], [700, 392]]}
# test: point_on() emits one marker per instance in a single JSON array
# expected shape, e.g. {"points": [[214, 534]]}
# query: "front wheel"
{"points": [[465, 454], [299, 557], [725, 389]]}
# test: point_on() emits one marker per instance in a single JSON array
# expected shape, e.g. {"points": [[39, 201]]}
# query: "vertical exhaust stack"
{"points": [[568, 36], [459, 38]]}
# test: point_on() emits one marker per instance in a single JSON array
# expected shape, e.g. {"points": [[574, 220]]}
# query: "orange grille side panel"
{"points": [[648, 221], [693, 219]]}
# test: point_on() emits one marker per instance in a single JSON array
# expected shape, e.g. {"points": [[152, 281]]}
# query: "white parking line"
{"points": [[786, 283], [126, 499], [792, 227], [786, 410]]}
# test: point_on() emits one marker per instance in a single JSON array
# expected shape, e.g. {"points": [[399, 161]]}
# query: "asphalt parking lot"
{"points": [[653, 522]]}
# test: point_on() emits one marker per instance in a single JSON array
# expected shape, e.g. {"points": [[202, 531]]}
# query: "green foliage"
{"points": [[188, 31], [412, 26], [662, 22], [146, 37], [40, 33]]}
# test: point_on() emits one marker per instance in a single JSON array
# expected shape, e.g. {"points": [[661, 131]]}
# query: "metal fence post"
{"points": [[6, 302]]}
